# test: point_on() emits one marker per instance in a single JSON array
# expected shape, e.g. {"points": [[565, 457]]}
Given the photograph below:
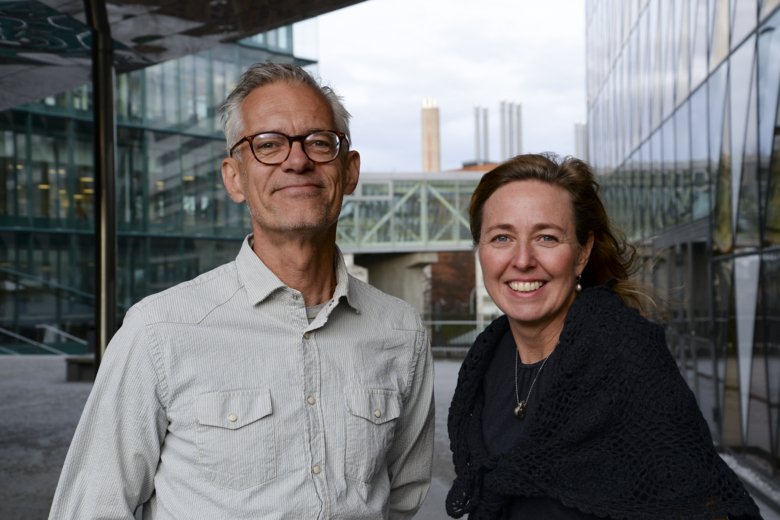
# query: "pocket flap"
{"points": [[377, 406], [232, 410]]}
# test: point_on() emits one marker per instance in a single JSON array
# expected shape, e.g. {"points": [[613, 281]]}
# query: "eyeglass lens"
{"points": [[274, 148]]}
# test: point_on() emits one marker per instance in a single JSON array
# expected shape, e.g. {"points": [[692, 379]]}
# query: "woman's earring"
{"points": [[578, 287]]}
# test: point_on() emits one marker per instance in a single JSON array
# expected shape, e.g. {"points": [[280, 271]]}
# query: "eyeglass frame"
{"points": [[301, 138]]}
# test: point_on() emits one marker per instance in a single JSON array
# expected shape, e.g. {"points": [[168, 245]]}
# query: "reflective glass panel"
{"points": [[700, 171], [699, 45], [200, 185], [683, 179], [720, 163], [743, 176], [726, 405], [768, 333], [743, 21], [768, 88], [683, 42], [131, 186], [7, 174], [767, 6], [669, 54], [165, 180], [719, 43]]}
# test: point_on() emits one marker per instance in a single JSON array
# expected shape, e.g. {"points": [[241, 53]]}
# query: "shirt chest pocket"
{"points": [[371, 419], [235, 437]]}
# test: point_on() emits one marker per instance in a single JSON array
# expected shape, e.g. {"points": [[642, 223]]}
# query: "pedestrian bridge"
{"points": [[395, 213]]}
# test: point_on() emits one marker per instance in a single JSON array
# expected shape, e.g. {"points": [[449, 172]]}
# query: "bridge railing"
{"points": [[421, 212]]}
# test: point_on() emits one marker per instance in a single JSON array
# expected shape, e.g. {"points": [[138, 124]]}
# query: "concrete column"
{"points": [[404, 275]]}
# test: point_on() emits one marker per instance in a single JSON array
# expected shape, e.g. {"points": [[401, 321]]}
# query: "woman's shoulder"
{"points": [[599, 317], [600, 306]]}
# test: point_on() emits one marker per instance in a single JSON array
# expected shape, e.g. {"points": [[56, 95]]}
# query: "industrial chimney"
{"points": [[431, 147]]}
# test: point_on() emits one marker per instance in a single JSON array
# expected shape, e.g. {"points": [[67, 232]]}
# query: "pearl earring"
{"points": [[578, 287]]}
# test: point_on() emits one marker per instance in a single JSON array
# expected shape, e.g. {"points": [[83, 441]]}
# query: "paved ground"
{"points": [[38, 414], [39, 411], [446, 372]]}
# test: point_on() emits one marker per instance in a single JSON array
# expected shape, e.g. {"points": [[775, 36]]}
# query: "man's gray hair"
{"points": [[261, 74]]}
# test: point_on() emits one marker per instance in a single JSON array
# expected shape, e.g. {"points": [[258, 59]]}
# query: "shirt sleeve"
{"points": [[110, 466], [411, 456]]}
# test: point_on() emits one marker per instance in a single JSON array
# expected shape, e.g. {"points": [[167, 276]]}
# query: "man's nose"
{"points": [[297, 160]]}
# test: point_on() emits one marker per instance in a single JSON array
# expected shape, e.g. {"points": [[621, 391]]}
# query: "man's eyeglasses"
{"points": [[271, 148]]}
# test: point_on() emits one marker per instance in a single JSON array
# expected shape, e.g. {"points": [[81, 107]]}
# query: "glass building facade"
{"points": [[684, 132], [173, 219]]}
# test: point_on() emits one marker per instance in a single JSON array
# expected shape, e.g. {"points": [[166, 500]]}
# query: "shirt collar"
{"points": [[260, 282], [345, 286]]}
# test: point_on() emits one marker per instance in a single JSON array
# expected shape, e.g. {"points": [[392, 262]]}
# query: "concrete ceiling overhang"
{"points": [[45, 44]]}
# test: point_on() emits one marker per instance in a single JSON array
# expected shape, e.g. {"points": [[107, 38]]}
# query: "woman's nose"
{"points": [[523, 257]]}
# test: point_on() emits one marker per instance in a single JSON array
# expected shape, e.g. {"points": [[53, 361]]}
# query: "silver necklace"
{"points": [[522, 406]]}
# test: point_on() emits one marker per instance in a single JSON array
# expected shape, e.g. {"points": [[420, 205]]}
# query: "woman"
{"points": [[570, 406]]}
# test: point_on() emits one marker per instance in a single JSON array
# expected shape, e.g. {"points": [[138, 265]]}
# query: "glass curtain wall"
{"points": [[174, 220], [684, 133]]}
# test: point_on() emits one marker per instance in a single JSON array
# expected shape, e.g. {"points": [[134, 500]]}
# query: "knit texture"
{"points": [[617, 432]]}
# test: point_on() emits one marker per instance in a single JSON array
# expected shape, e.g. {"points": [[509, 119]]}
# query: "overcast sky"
{"points": [[386, 56]]}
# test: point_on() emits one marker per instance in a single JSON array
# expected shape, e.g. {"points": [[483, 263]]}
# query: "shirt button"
{"points": [[232, 417], [377, 413], [311, 399], [316, 470], [296, 296], [306, 335]]}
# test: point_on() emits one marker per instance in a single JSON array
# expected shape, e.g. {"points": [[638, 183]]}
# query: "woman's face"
{"points": [[529, 254]]}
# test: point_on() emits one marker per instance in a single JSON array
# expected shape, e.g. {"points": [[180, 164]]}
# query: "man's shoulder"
{"points": [[386, 309], [190, 301]]}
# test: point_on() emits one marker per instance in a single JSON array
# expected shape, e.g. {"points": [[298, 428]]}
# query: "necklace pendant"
{"points": [[520, 409]]}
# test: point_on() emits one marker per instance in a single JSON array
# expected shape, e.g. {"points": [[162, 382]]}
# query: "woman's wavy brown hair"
{"points": [[612, 260]]}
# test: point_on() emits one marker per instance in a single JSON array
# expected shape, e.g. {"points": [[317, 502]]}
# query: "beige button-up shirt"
{"points": [[217, 399]]}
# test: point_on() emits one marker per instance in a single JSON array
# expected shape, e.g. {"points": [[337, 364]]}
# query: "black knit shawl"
{"points": [[616, 433]]}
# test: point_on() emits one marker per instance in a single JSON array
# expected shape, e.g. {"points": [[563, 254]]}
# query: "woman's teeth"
{"points": [[524, 286]]}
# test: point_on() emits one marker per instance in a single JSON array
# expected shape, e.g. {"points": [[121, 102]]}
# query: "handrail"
{"points": [[52, 328], [48, 283], [31, 342]]}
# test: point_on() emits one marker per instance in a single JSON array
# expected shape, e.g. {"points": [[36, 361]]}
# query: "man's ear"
{"points": [[231, 178], [352, 171]]}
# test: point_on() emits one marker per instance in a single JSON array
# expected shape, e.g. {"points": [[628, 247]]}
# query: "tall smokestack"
{"points": [[502, 138], [511, 129], [510, 124], [581, 141], [477, 135], [431, 148], [481, 135], [485, 154], [519, 129]]}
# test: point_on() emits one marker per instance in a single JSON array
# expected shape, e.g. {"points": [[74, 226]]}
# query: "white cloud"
{"points": [[386, 56]]}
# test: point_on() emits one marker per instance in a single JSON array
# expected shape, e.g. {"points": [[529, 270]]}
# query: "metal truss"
{"points": [[402, 213]]}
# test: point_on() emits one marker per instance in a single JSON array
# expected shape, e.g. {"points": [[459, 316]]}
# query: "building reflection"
{"points": [[173, 218], [684, 124]]}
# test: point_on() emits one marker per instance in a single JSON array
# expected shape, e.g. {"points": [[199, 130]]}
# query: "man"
{"points": [[275, 386]]}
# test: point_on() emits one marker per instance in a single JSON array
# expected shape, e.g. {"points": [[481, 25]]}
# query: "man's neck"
{"points": [[302, 264]]}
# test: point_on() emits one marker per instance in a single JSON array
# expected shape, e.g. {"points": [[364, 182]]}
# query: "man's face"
{"points": [[298, 195]]}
